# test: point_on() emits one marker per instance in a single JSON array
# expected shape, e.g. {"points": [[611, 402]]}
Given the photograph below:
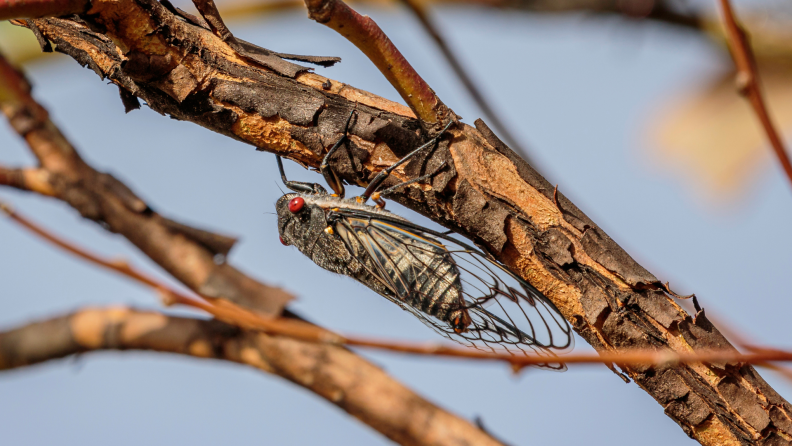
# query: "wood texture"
{"points": [[335, 374]]}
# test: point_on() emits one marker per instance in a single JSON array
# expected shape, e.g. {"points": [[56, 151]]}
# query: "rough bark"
{"points": [[487, 193], [335, 374]]}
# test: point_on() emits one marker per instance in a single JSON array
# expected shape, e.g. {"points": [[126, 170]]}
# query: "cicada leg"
{"points": [[377, 196], [377, 181], [460, 320], [329, 174], [299, 186]]}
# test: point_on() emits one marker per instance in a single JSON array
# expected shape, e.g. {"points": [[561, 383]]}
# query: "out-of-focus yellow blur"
{"points": [[713, 139], [18, 44]]}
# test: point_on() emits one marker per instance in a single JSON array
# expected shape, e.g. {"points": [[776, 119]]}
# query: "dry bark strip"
{"points": [[487, 193], [336, 374]]}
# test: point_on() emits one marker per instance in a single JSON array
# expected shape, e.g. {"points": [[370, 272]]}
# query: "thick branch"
{"points": [[186, 253], [488, 194], [335, 374]]}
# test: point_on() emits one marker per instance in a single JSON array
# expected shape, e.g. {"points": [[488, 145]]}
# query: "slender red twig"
{"points": [[364, 33], [232, 314], [748, 83]]}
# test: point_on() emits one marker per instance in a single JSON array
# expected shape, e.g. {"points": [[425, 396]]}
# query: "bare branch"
{"points": [[186, 253], [335, 374], [749, 86]]}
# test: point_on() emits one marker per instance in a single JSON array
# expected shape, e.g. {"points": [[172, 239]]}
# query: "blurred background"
{"points": [[637, 121]]}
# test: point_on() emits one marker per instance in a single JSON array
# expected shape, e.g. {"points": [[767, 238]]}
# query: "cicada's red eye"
{"points": [[283, 242], [296, 204]]}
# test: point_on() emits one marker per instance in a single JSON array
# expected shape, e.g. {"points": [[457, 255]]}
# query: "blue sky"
{"points": [[577, 91]]}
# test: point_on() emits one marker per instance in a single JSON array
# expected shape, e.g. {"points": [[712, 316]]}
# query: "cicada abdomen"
{"points": [[419, 271]]}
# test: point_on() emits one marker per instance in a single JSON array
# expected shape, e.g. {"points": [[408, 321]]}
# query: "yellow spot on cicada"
{"points": [[328, 230]]}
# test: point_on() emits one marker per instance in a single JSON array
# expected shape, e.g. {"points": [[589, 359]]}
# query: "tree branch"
{"points": [[335, 374], [487, 193], [186, 253]]}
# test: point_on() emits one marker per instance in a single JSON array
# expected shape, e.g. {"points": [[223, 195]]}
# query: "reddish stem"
{"points": [[372, 41], [232, 314]]}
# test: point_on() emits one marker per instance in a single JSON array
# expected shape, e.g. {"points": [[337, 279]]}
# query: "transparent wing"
{"points": [[432, 280]]}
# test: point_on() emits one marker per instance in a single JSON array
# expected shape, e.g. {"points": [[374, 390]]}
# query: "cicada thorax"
{"points": [[304, 224]]}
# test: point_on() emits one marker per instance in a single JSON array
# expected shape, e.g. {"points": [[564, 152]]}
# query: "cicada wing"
{"points": [[384, 256], [505, 311], [380, 257]]}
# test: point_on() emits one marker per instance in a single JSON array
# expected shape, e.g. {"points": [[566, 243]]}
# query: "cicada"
{"points": [[458, 290]]}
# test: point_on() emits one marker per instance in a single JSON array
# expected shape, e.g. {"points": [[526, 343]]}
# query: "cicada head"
{"points": [[300, 221], [303, 223]]}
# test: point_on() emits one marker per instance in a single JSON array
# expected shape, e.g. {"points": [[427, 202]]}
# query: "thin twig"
{"points": [[229, 313], [748, 83], [220, 309], [423, 17]]}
